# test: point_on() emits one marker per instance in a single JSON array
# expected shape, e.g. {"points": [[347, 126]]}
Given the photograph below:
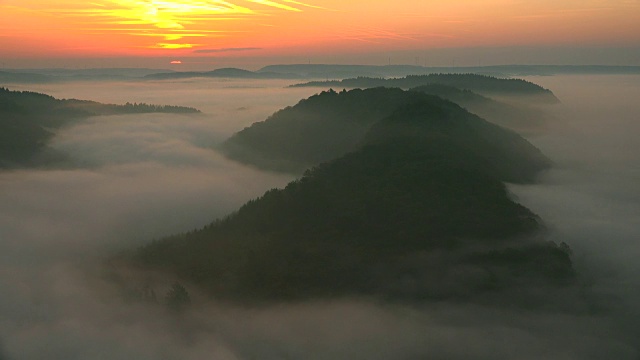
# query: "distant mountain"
{"points": [[302, 71], [548, 70], [98, 72], [220, 73], [478, 83], [321, 71], [331, 124], [28, 76], [327, 71], [24, 78], [417, 212], [28, 119]]}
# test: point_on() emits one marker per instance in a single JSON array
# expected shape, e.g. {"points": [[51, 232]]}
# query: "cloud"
{"points": [[171, 20], [133, 178], [223, 50], [592, 197], [129, 179]]}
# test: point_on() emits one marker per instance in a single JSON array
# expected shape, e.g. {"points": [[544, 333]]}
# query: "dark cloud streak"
{"points": [[225, 50]]}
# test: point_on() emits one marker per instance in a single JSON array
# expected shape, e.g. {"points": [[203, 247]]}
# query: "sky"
{"points": [[205, 33]]}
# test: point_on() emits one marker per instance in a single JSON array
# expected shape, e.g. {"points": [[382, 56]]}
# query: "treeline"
{"points": [[130, 108], [483, 84], [45, 106]]}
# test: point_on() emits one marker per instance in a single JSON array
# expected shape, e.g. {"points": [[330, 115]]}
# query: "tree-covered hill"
{"points": [[28, 119], [418, 212], [483, 84], [510, 157], [453, 94], [518, 116], [332, 124], [316, 129]]}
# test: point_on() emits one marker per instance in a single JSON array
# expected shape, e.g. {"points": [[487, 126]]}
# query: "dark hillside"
{"points": [[417, 213], [520, 116], [483, 84], [330, 124]]}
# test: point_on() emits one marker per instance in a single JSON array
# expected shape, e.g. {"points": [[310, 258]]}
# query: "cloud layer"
{"points": [[135, 178]]}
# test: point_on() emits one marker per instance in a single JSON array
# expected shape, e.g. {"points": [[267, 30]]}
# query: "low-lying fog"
{"points": [[591, 199], [140, 177]]}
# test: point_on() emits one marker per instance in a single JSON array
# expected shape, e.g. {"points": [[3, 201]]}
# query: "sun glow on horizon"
{"points": [[170, 22], [199, 28], [177, 20]]}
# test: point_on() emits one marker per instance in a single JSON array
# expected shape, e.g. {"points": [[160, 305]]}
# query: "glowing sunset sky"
{"points": [[193, 29]]}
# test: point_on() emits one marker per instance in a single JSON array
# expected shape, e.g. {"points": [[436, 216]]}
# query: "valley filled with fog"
{"points": [[130, 179]]}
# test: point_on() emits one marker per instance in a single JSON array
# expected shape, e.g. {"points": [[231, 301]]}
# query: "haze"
{"points": [[134, 178]]}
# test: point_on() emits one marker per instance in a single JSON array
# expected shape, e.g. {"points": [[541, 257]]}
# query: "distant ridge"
{"points": [[301, 71], [24, 78], [29, 76], [221, 73], [482, 84], [325, 71]]}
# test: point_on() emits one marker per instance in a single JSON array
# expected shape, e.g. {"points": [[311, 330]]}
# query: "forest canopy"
{"points": [[416, 211]]}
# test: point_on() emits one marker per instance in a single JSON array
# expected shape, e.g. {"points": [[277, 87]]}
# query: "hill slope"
{"points": [[516, 116], [417, 213], [332, 124]]}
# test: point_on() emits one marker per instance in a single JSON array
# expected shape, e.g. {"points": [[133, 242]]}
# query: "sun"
{"points": [[175, 21], [153, 27], [167, 14]]}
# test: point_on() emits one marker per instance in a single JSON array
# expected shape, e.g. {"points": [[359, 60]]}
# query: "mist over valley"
{"points": [[530, 253]]}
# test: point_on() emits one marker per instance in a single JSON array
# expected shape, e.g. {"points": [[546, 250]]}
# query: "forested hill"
{"points": [[332, 124], [453, 94], [27, 120], [317, 129], [478, 83], [520, 116], [417, 213]]}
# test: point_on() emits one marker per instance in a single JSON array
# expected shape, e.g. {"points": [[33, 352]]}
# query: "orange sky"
{"points": [[249, 28]]}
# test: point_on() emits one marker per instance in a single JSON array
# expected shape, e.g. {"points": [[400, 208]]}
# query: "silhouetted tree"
{"points": [[177, 297]]}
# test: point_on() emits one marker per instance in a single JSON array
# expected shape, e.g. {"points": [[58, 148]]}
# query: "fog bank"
{"points": [[134, 178], [591, 198]]}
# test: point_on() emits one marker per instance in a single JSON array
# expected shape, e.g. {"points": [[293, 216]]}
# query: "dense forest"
{"points": [[520, 116], [417, 211], [28, 119], [482, 84], [332, 124]]}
